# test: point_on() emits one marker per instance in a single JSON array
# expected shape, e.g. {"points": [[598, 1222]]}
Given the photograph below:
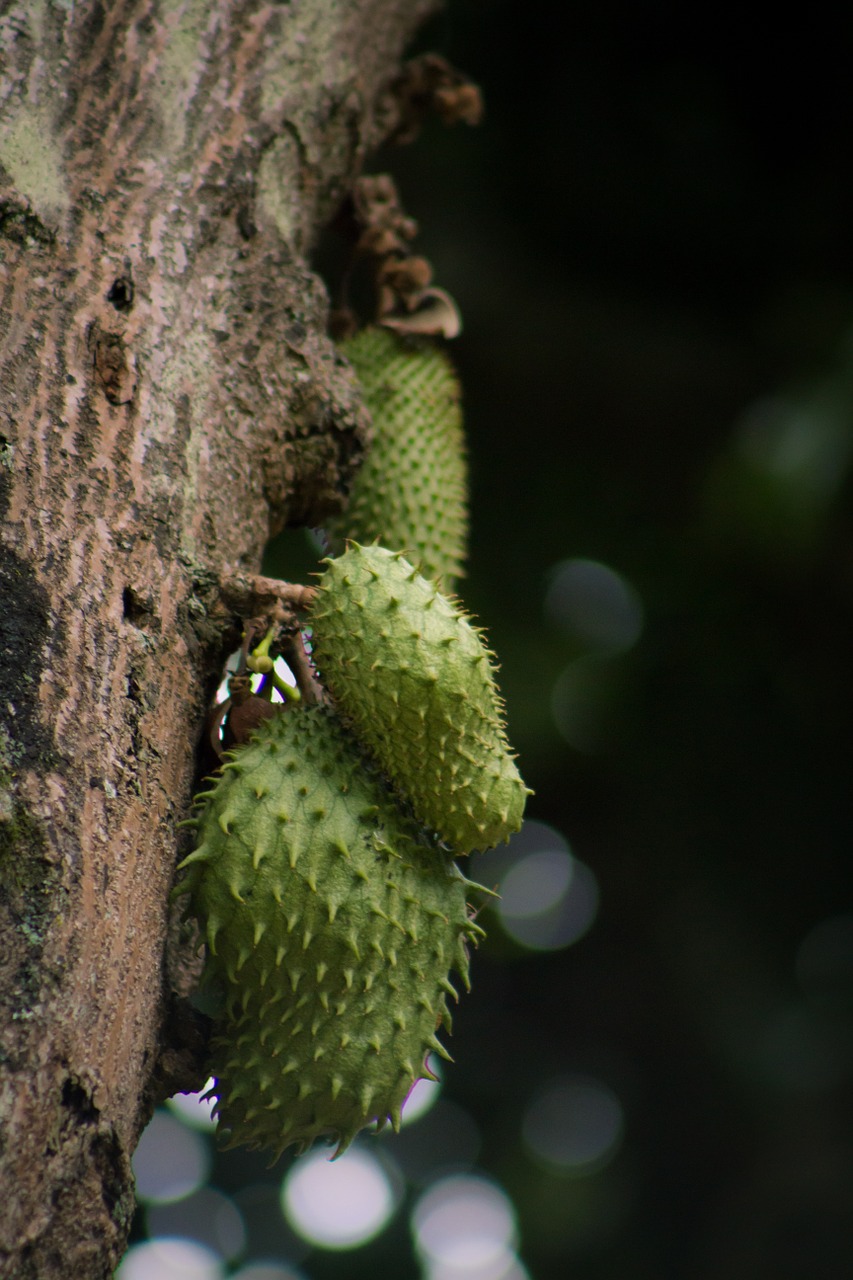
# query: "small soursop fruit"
{"points": [[411, 491], [332, 929], [412, 676]]}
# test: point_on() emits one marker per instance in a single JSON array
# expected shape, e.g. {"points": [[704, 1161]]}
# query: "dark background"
{"points": [[649, 237], [650, 240]]}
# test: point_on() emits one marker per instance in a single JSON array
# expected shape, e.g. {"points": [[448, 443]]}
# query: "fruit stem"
{"points": [[293, 652]]}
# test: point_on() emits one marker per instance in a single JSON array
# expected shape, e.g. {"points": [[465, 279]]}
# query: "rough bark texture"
{"points": [[168, 398]]}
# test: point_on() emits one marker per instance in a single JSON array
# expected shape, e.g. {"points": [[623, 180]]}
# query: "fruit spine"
{"points": [[410, 493], [411, 675], [332, 924]]}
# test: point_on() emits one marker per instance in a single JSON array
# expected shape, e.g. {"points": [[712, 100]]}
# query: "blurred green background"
{"points": [[649, 237]]}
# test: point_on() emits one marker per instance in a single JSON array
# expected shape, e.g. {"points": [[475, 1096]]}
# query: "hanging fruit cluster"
{"points": [[323, 877]]}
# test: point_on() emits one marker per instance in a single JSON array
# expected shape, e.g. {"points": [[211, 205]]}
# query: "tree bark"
{"points": [[168, 399]]}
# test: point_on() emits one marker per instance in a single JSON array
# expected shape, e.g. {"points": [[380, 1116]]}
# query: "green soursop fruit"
{"points": [[410, 493], [413, 678], [332, 924]]}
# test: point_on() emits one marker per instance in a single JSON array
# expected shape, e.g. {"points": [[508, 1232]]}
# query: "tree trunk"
{"points": [[168, 399]]}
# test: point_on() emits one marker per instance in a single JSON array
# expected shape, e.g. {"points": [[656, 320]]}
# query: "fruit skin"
{"points": [[411, 491], [332, 924], [411, 675]]}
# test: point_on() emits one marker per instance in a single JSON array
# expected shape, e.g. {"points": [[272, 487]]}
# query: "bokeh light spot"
{"points": [[804, 442], [467, 1224], [423, 1095], [536, 884], [170, 1162], [193, 1109], [585, 700], [574, 1124], [491, 867], [548, 900], [502, 1266], [266, 1271], [594, 605], [166, 1259], [338, 1204], [207, 1216]]}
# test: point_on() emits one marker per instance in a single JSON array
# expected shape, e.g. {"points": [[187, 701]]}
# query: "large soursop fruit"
{"points": [[332, 925], [412, 676], [411, 491]]}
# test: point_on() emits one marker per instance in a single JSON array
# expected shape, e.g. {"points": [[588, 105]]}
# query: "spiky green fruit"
{"points": [[411, 492], [412, 675], [332, 925]]}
